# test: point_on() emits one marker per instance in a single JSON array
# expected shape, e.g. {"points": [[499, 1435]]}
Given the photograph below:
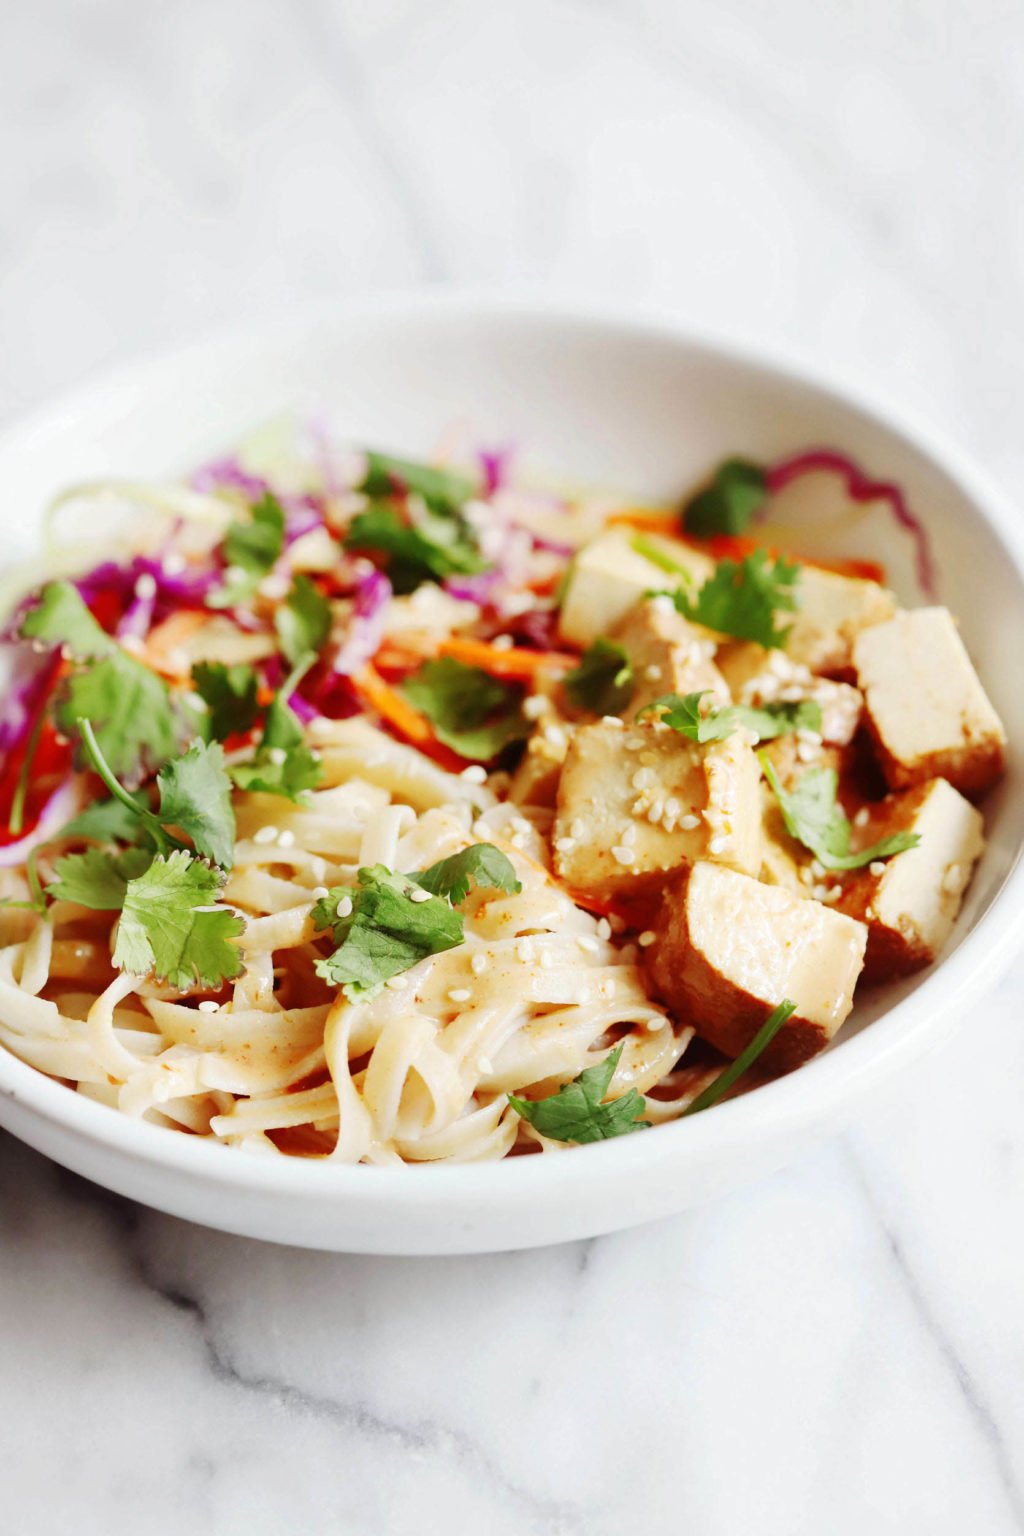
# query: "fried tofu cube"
{"points": [[911, 901], [833, 610], [758, 676], [668, 654], [927, 710], [728, 950], [637, 801], [535, 781], [608, 576]]}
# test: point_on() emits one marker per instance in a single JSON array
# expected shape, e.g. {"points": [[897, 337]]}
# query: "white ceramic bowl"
{"points": [[630, 403]]}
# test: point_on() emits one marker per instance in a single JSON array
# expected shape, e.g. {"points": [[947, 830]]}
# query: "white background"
{"points": [[839, 1348]]}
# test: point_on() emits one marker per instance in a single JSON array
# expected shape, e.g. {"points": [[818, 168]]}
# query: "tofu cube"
{"points": [[729, 949], [756, 675], [833, 610], [608, 576], [535, 781], [911, 901], [668, 653], [928, 712], [637, 801]]}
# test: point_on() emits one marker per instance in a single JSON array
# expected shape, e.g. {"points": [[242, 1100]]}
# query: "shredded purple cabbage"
{"points": [[496, 465], [59, 808], [366, 628], [302, 513]]}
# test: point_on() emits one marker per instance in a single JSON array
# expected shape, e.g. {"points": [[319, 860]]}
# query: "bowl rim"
{"points": [[825, 1084]]}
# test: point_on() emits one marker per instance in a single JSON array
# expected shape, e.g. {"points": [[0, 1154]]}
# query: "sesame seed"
{"points": [[604, 928], [145, 587], [518, 841], [131, 643], [459, 994], [628, 837], [397, 983], [673, 807], [862, 817], [647, 938], [817, 869], [877, 867], [634, 743], [652, 674], [577, 827], [474, 774], [417, 894], [806, 752], [208, 1006], [520, 824], [663, 604], [819, 892], [478, 964], [588, 943], [689, 822], [502, 642], [565, 844], [833, 893], [718, 845], [613, 721], [173, 564], [480, 829], [286, 839], [319, 892], [623, 855], [277, 756], [267, 834], [344, 907], [534, 706], [642, 778], [38, 647], [555, 735]]}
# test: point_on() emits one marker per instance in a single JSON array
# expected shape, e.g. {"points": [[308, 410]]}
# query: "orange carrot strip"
{"points": [[392, 707], [512, 663], [647, 520]]}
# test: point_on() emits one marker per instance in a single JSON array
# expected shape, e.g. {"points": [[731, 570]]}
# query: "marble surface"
{"points": [[839, 1347]]}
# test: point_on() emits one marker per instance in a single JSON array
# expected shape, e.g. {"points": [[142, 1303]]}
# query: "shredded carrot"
{"points": [[647, 519], [736, 546], [511, 663], [164, 639], [392, 707]]}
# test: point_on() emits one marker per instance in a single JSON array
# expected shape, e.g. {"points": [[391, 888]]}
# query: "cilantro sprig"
{"points": [[137, 723], [282, 763], [814, 817], [171, 926], [445, 490], [736, 493], [471, 712], [683, 713], [604, 681], [744, 598], [388, 922], [303, 620], [252, 547], [724, 1081], [578, 1113], [231, 695], [436, 547]]}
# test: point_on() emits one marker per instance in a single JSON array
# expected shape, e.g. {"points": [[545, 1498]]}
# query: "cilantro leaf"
{"points": [[252, 547], [604, 680], [446, 490], [61, 618], [110, 821], [682, 713], [195, 795], [231, 695], [482, 865], [577, 1111], [815, 818], [743, 599], [131, 711], [724, 1081], [471, 712], [303, 620], [737, 491], [384, 932], [136, 722], [434, 549], [170, 925], [282, 763], [97, 879]]}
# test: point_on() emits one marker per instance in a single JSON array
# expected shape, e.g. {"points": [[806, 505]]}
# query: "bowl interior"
{"points": [[595, 402]]}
